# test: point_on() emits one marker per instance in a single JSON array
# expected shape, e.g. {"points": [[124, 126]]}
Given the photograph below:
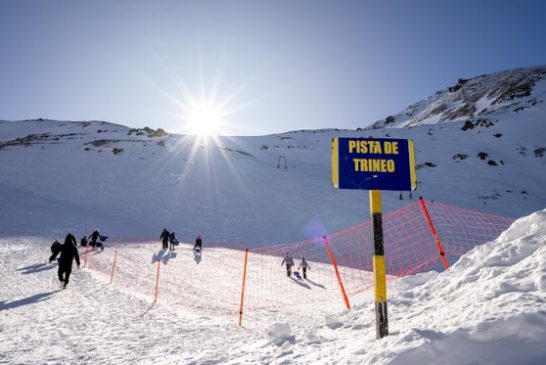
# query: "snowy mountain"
{"points": [[60, 176], [476, 100], [483, 150]]}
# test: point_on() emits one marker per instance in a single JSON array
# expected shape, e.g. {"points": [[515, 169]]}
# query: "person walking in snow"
{"points": [[304, 266], [69, 253], [172, 239], [96, 239], [198, 244], [165, 238], [83, 241], [289, 263]]}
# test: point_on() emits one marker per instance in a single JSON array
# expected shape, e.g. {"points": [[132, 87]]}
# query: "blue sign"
{"points": [[373, 164]]}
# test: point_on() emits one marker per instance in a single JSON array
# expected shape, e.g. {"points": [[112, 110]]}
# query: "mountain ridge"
{"points": [[477, 97]]}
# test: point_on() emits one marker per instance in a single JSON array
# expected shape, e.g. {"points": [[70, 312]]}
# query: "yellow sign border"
{"points": [[335, 162], [413, 174]]}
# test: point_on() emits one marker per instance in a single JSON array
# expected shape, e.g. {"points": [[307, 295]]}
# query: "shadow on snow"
{"points": [[29, 300], [31, 269]]}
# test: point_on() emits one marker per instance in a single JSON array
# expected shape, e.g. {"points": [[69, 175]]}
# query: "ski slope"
{"points": [[479, 145], [487, 308], [232, 191]]}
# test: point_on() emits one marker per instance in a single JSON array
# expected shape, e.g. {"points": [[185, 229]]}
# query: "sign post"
{"points": [[375, 164], [379, 272]]}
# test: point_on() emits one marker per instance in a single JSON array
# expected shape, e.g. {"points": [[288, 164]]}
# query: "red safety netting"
{"points": [[182, 278], [211, 282]]}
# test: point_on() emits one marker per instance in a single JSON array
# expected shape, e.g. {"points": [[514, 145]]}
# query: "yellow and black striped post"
{"points": [[380, 280]]}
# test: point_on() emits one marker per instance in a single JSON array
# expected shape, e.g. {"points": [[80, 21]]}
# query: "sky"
{"points": [[257, 67]]}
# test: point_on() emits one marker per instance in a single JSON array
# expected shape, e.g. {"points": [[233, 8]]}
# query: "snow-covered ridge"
{"points": [[482, 97]]}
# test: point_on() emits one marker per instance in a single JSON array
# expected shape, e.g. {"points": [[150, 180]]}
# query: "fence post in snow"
{"points": [[243, 288], [156, 292], [340, 282], [113, 266], [85, 258], [434, 234]]}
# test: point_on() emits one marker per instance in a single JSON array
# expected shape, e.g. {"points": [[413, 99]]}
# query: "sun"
{"points": [[204, 119]]}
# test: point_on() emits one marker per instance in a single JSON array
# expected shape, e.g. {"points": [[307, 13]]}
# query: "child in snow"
{"points": [[172, 239], [83, 241], [304, 266], [289, 263]]}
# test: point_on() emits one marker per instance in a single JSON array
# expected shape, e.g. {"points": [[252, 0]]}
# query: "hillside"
{"points": [[488, 308], [60, 176]]}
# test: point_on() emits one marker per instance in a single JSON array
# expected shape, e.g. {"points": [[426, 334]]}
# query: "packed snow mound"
{"points": [[487, 308], [511, 267], [477, 99]]}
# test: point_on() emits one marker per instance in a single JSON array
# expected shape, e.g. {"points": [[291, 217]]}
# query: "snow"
{"points": [[233, 192], [59, 176], [486, 96], [487, 308]]}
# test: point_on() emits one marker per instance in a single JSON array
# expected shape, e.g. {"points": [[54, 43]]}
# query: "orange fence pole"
{"points": [[113, 266], [434, 234], [85, 258], [243, 289], [157, 281], [340, 282]]}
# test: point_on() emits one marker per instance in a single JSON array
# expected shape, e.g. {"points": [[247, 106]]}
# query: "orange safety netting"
{"points": [[211, 282]]}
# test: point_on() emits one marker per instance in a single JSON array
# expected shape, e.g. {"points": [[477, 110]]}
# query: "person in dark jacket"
{"points": [[55, 248], [172, 238], [96, 239], [83, 241], [198, 244], [165, 238], [69, 253]]}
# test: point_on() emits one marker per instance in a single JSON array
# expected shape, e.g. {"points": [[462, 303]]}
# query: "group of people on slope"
{"points": [[169, 241], [68, 252], [289, 261], [95, 240]]}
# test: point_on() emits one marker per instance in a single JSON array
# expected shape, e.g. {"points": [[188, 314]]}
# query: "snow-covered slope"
{"points": [[57, 177], [483, 97], [487, 309], [75, 176]]}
